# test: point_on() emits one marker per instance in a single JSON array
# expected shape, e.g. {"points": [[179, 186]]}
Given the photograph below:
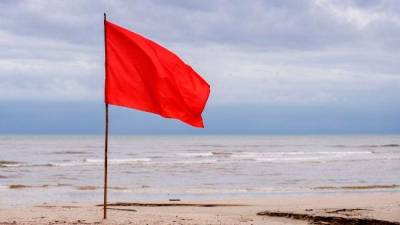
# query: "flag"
{"points": [[143, 75]]}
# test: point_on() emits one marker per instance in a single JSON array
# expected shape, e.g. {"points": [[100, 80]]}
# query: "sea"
{"points": [[70, 168]]}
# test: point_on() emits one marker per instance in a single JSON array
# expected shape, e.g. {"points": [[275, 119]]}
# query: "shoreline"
{"points": [[293, 210]]}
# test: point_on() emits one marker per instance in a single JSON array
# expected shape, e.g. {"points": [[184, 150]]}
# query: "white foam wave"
{"points": [[195, 154], [288, 159], [298, 155], [118, 161], [94, 162], [208, 161]]}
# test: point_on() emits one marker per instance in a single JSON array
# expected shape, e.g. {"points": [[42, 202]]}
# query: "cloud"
{"points": [[251, 52], [359, 15]]}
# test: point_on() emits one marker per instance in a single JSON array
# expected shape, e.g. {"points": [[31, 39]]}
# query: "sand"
{"points": [[375, 207]]}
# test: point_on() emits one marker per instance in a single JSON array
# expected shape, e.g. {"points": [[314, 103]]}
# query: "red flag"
{"points": [[143, 75]]}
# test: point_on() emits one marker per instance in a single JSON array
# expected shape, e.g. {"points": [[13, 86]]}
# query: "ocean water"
{"points": [[37, 169]]}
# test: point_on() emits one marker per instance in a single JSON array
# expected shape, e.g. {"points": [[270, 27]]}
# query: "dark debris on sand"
{"points": [[327, 220]]}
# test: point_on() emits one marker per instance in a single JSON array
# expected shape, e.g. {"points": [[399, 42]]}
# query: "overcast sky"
{"points": [[275, 52]]}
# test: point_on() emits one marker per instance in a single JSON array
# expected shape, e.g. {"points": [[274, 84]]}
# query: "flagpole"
{"points": [[105, 166], [106, 130]]}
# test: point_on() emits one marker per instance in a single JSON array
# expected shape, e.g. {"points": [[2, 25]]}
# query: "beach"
{"points": [[376, 208], [160, 112], [337, 179]]}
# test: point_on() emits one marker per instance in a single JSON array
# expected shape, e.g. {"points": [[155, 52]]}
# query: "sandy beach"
{"points": [[357, 208]]}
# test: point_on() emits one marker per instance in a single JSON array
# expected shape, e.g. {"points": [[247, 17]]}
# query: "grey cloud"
{"points": [[250, 51], [258, 24]]}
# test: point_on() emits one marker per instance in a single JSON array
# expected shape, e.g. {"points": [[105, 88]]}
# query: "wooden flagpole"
{"points": [[106, 131]]}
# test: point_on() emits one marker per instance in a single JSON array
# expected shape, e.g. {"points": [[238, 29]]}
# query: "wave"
{"points": [[95, 162], [297, 153], [208, 161], [208, 145], [315, 159], [6, 163], [222, 153], [209, 157], [195, 154], [204, 154], [366, 146], [124, 161], [69, 153], [300, 156], [278, 156], [239, 146], [17, 165], [359, 187], [118, 161], [382, 146]]}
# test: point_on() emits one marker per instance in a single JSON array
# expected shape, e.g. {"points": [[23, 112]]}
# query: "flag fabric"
{"points": [[143, 75]]}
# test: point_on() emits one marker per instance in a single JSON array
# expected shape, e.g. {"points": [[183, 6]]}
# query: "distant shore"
{"points": [[351, 208]]}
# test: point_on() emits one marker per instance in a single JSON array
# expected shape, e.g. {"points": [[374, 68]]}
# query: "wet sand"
{"points": [[350, 208]]}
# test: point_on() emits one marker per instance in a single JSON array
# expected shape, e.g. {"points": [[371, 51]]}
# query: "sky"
{"points": [[274, 66]]}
